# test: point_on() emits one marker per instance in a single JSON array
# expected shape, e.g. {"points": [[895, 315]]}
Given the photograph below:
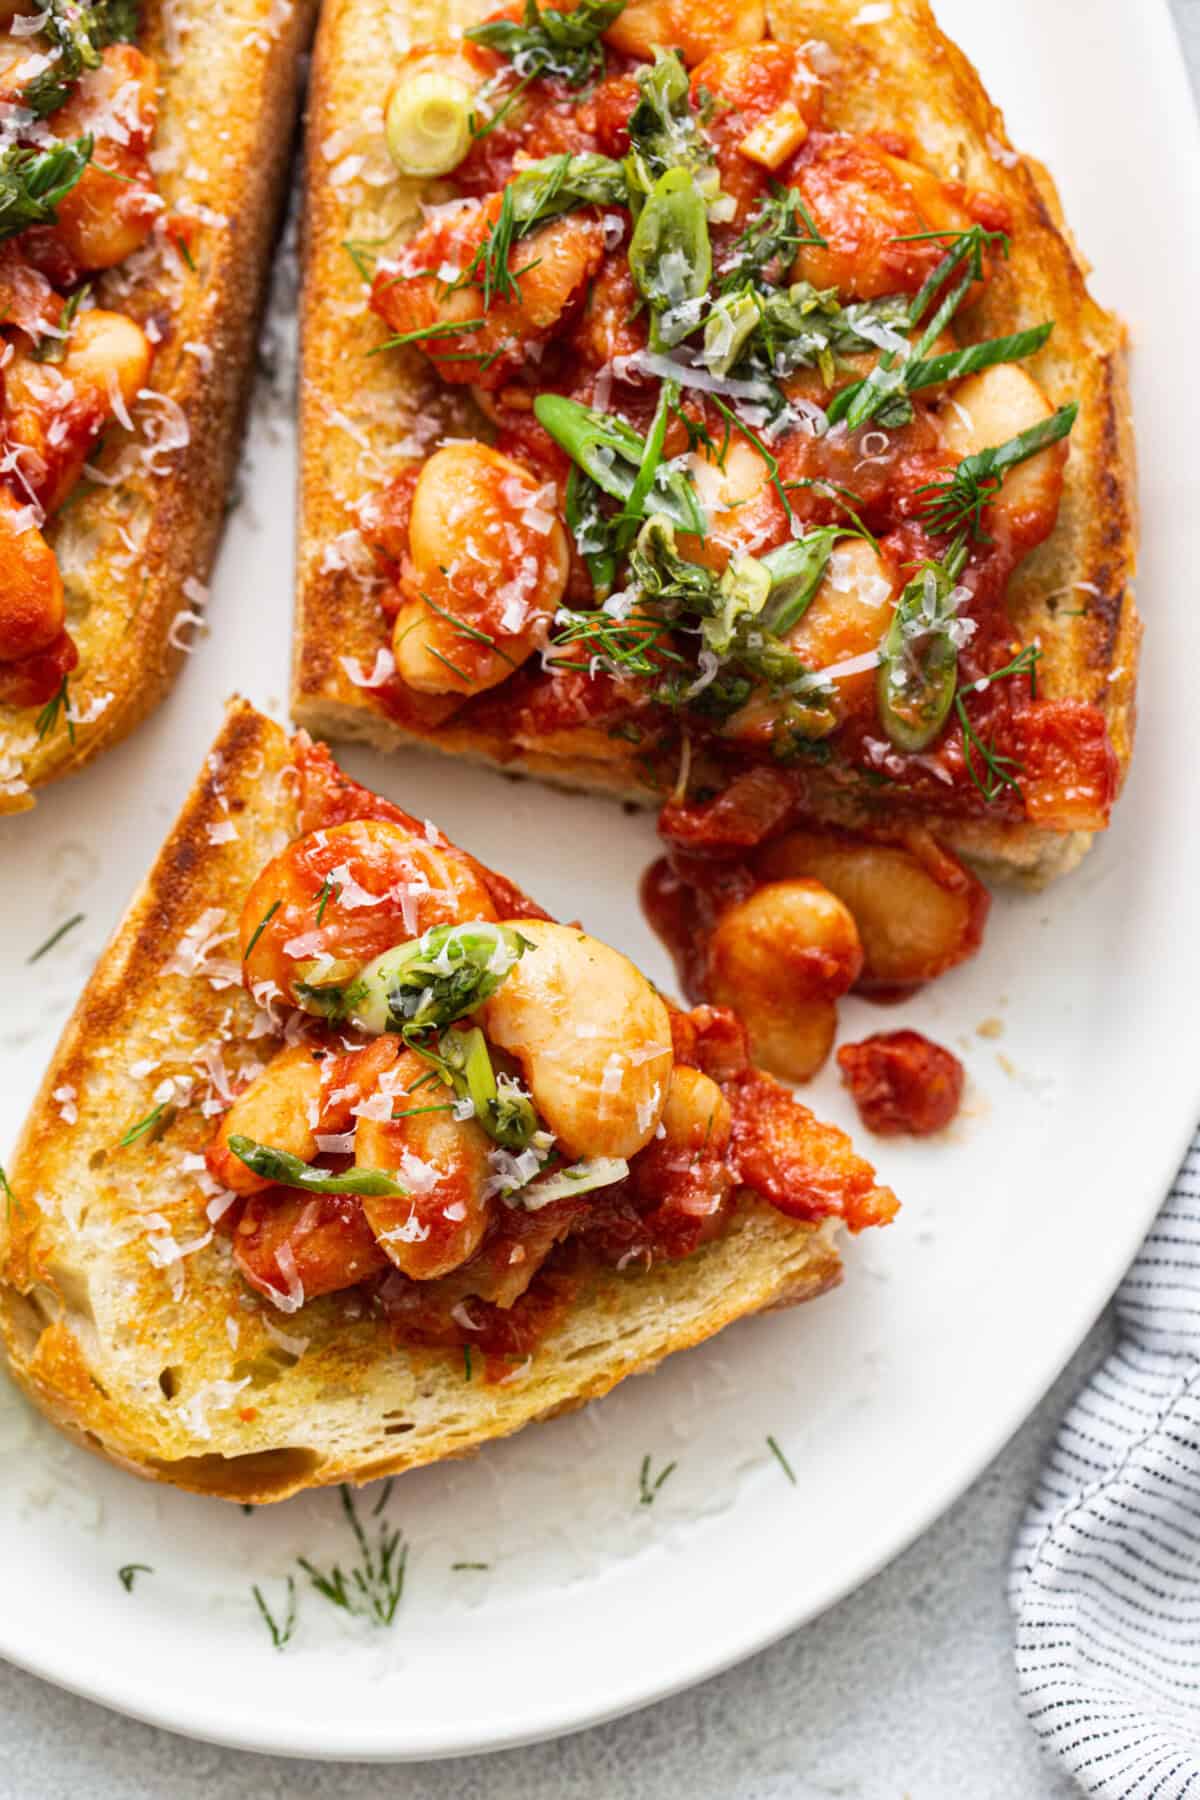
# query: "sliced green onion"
{"points": [[580, 1178], [432, 980], [670, 257], [918, 669], [286, 1170], [615, 457], [427, 123], [503, 1109], [974, 483], [955, 364], [731, 323], [797, 570], [890, 382]]}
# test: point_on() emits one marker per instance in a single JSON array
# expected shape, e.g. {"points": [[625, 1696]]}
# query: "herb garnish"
{"points": [[739, 620], [261, 927], [32, 182], [51, 347], [286, 1170], [670, 257], [461, 1060], [541, 191], [782, 1460], [430, 981], [960, 499], [636, 645], [55, 937], [130, 1571], [329, 889], [648, 1490], [664, 132], [765, 336], [999, 772], [46, 722], [78, 32], [151, 1127], [766, 248], [884, 393], [626, 467], [918, 658], [281, 1634], [547, 42], [374, 1586], [10, 1199], [447, 328]]}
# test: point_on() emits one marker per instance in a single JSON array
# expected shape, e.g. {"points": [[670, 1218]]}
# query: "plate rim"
{"points": [[183, 1712]]}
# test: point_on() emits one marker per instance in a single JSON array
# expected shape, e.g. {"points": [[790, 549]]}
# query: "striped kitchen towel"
{"points": [[1105, 1582]]}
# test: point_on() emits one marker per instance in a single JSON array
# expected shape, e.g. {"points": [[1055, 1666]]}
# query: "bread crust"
{"points": [[229, 80], [151, 1376], [898, 73]]}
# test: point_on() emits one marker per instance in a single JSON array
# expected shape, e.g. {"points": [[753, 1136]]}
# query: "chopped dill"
{"points": [[782, 1460], [47, 720], [281, 1632], [261, 927], [151, 1127], [648, 1490], [373, 1587], [55, 937]]}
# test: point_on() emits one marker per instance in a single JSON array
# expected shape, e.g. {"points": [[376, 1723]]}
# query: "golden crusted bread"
{"points": [[135, 555], [122, 1315], [363, 418]]}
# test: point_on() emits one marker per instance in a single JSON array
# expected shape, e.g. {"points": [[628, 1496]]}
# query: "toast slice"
{"points": [[136, 540], [367, 416], [124, 1316]]}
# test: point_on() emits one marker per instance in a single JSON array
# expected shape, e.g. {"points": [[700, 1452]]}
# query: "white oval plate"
{"points": [[887, 1397]]}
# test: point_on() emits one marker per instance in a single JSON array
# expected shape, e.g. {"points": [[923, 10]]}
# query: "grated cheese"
{"points": [[293, 1299], [335, 1143], [211, 1394], [295, 1346], [383, 670]]}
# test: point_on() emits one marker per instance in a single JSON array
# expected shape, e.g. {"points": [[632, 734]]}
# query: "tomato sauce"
{"points": [[34, 680], [902, 1083], [531, 1266], [1005, 752]]}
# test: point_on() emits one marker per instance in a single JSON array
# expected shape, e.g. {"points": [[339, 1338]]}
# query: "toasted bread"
{"points": [[135, 555], [364, 416], [123, 1316]]}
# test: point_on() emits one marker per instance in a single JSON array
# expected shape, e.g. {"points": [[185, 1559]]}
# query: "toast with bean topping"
{"points": [[849, 495], [235, 1259], [143, 153]]}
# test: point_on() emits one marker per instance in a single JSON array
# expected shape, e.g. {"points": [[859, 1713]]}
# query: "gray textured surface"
{"points": [[904, 1692]]}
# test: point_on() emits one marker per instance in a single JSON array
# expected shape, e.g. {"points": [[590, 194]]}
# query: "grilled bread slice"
{"points": [[365, 416], [121, 1311], [136, 544]]}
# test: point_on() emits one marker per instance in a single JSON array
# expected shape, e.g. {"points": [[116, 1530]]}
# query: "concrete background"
{"points": [[903, 1692]]}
